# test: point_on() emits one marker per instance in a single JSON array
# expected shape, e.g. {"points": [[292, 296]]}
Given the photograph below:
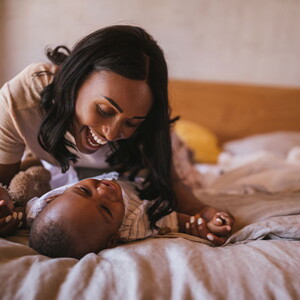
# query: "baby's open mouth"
{"points": [[110, 185]]}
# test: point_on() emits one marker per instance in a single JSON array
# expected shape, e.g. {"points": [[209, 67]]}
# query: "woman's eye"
{"points": [[131, 124], [105, 113]]}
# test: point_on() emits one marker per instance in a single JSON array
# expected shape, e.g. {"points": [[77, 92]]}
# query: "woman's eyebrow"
{"points": [[112, 102]]}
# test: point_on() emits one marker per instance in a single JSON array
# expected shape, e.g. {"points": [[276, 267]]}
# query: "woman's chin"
{"points": [[88, 149]]}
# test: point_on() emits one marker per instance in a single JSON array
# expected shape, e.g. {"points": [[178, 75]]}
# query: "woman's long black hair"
{"points": [[131, 52]]}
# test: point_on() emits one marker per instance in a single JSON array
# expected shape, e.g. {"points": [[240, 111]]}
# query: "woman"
{"points": [[108, 98]]}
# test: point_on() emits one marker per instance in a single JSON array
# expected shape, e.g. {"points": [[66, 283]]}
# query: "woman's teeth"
{"points": [[96, 140], [91, 143]]}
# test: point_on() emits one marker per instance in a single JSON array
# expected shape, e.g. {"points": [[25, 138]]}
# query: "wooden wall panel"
{"points": [[234, 111]]}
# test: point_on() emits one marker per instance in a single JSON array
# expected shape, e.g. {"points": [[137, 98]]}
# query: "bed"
{"points": [[261, 260]]}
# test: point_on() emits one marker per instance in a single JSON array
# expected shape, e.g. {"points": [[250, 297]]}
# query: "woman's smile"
{"points": [[94, 140], [97, 139], [90, 141]]}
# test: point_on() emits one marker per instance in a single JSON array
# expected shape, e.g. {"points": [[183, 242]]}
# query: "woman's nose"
{"points": [[112, 132]]}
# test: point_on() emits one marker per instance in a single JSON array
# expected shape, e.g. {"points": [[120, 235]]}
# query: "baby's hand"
{"points": [[221, 224], [217, 220], [197, 226], [211, 224]]}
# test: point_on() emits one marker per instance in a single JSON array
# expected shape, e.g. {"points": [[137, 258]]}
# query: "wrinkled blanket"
{"points": [[260, 261]]}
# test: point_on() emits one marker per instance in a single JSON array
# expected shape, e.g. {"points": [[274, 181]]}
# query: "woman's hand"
{"points": [[210, 224], [197, 226]]}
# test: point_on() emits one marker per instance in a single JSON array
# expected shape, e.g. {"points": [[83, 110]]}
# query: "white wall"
{"points": [[251, 41]]}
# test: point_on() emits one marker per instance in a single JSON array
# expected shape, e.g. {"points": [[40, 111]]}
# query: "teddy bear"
{"points": [[33, 182], [29, 183]]}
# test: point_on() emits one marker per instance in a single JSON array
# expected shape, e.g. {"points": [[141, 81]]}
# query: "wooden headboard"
{"points": [[233, 111]]}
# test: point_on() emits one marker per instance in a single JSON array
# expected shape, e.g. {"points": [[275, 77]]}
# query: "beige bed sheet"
{"points": [[260, 261]]}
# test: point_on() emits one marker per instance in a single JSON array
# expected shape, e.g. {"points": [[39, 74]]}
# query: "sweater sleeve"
{"points": [[168, 223], [11, 143], [19, 110]]}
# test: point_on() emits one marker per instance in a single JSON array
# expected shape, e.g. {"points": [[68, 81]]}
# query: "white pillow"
{"points": [[278, 143]]}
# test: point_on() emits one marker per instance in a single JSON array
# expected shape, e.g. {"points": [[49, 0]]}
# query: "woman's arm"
{"points": [[187, 202]]}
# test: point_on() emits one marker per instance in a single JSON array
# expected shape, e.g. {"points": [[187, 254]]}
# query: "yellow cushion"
{"points": [[199, 139]]}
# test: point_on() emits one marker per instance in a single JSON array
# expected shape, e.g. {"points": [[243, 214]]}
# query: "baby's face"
{"points": [[91, 211]]}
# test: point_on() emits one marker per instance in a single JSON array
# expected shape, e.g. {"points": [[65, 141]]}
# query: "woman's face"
{"points": [[109, 107]]}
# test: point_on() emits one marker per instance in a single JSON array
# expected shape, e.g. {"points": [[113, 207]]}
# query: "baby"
{"points": [[98, 213]]}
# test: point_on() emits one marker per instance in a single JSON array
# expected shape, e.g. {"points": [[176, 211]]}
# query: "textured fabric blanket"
{"points": [[260, 261]]}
